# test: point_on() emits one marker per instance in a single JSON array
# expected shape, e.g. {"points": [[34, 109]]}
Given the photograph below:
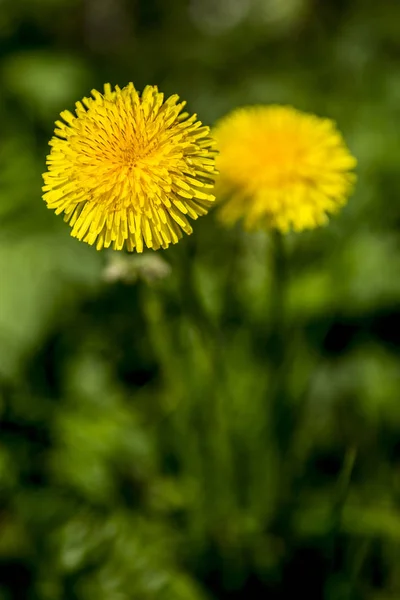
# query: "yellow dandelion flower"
{"points": [[281, 168], [129, 168]]}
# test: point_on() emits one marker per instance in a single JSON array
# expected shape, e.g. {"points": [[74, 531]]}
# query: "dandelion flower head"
{"points": [[129, 169], [281, 168]]}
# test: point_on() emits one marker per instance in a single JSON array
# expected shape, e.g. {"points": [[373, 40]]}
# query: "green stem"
{"points": [[280, 407], [280, 275], [279, 343]]}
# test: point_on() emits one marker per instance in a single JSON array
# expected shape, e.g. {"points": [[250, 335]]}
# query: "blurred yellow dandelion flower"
{"points": [[129, 168], [281, 168]]}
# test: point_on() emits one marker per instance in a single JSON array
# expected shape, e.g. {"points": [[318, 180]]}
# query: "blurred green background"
{"points": [[154, 444]]}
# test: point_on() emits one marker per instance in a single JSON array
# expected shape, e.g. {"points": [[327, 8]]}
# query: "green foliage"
{"points": [[151, 444]]}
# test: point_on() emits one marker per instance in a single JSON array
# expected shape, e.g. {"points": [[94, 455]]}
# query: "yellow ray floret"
{"points": [[281, 168], [129, 169]]}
